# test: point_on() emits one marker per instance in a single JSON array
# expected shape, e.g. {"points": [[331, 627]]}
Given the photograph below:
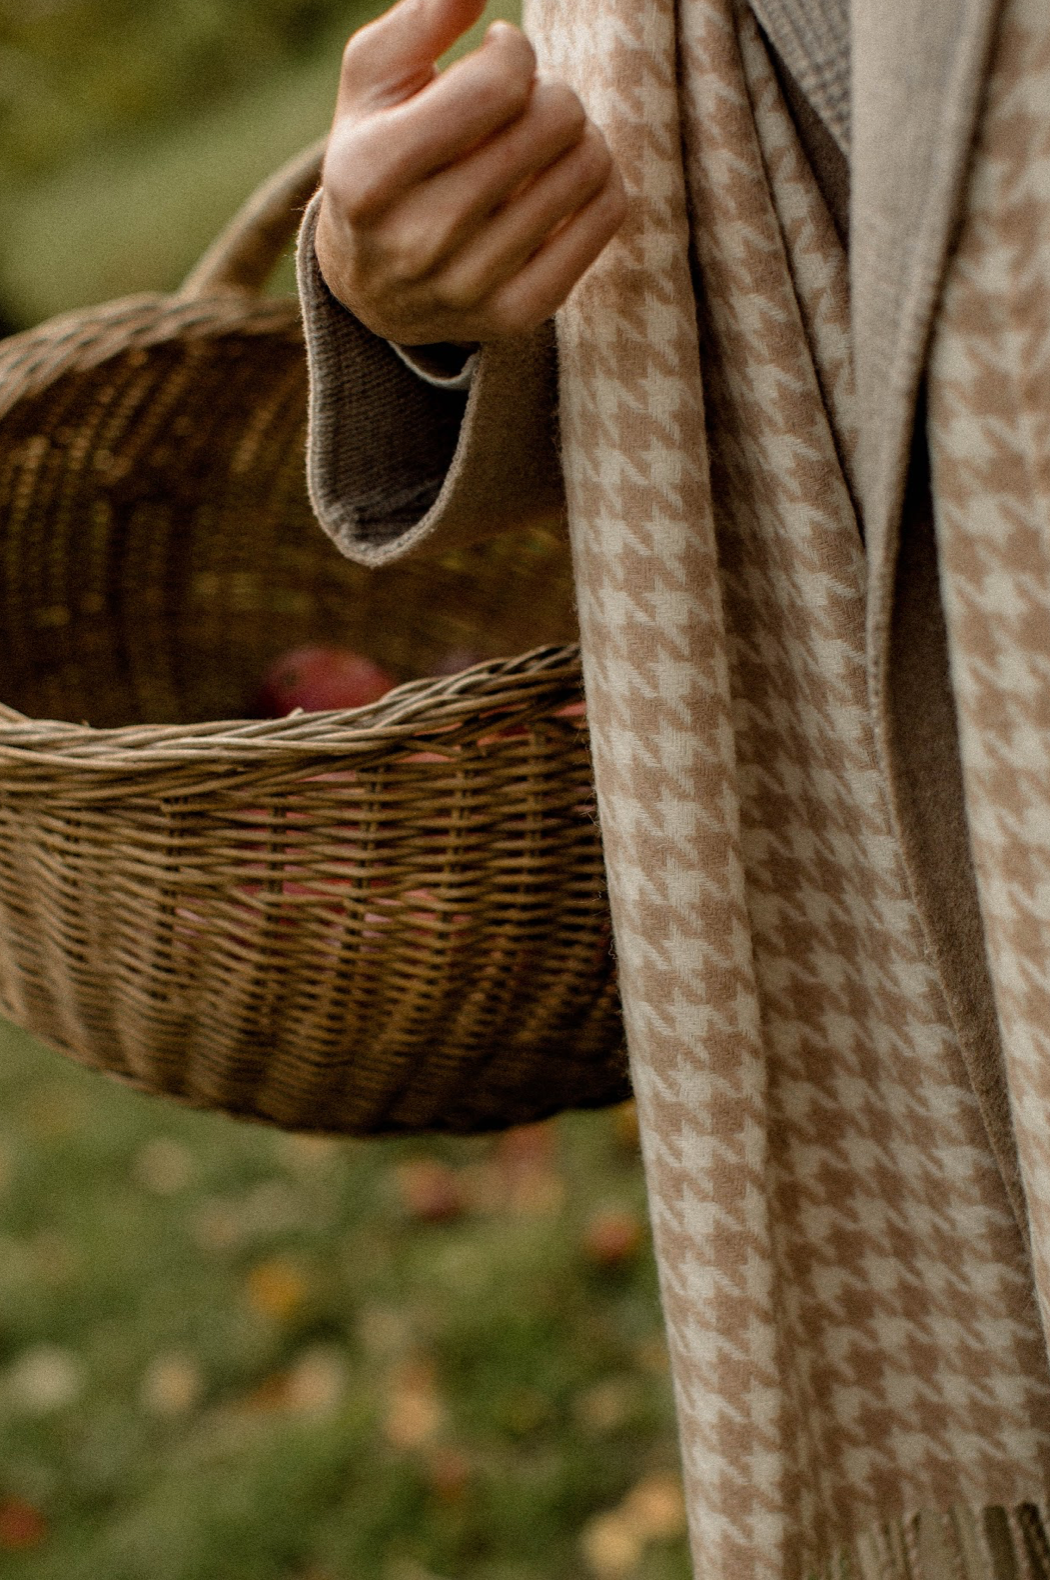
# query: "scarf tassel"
{"points": [[994, 1543]]}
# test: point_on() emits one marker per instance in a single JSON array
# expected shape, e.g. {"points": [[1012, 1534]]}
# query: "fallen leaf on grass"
{"points": [[414, 1413], [317, 1381], [44, 1379], [653, 1511], [606, 1406], [613, 1237], [21, 1525], [430, 1190], [526, 1159], [655, 1508], [611, 1548], [265, 1398], [448, 1474], [277, 1289], [172, 1386], [314, 1384]]}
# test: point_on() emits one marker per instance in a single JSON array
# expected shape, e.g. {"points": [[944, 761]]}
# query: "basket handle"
{"points": [[243, 256]]}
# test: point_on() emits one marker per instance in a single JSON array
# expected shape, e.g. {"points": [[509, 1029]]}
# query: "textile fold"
{"points": [[838, 1254]]}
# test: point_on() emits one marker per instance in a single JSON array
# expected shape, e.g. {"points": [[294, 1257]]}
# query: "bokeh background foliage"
{"points": [[227, 1354], [131, 129], [232, 1354]]}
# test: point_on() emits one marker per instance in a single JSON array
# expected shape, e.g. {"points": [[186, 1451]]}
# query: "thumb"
{"points": [[395, 56]]}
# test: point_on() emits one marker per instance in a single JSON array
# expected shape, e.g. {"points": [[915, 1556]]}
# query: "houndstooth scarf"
{"points": [[853, 1320]]}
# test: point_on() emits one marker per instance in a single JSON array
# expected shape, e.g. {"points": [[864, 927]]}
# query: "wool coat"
{"points": [[807, 487]]}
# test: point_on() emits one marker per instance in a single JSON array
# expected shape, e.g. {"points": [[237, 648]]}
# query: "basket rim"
{"points": [[418, 710], [86, 339]]}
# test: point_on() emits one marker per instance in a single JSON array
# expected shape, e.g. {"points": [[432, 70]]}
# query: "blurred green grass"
{"points": [[231, 1354], [129, 133]]}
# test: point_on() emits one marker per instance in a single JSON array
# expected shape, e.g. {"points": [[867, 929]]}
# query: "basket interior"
{"points": [[158, 550]]}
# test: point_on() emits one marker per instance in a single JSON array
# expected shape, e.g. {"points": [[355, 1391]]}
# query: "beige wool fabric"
{"points": [[990, 453], [847, 1295], [845, 1228]]}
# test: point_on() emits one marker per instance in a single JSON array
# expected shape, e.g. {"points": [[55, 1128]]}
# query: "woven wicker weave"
{"points": [[372, 921]]}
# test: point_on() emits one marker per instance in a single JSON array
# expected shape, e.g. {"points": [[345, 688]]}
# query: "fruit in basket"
{"points": [[317, 679]]}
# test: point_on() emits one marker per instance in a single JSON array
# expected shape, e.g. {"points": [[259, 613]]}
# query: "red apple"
{"points": [[319, 678]]}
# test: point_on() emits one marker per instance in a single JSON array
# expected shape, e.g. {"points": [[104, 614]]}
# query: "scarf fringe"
{"points": [[994, 1543]]}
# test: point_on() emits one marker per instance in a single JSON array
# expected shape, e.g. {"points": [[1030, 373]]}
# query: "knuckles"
{"points": [[353, 72], [357, 199], [559, 111], [356, 176], [512, 313], [402, 276], [593, 160], [455, 297], [499, 96], [411, 258], [499, 78], [511, 53]]}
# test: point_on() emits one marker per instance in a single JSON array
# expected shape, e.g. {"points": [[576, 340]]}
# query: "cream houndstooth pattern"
{"points": [[849, 1304], [990, 449]]}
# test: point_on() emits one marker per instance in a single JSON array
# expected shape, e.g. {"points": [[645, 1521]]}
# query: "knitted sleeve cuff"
{"points": [[437, 364], [397, 462], [381, 438]]}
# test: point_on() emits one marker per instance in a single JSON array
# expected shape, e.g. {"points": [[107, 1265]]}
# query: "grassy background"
{"points": [[130, 130], [232, 1354]]}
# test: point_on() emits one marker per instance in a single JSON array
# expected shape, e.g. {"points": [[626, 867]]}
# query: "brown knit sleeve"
{"points": [[395, 463]]}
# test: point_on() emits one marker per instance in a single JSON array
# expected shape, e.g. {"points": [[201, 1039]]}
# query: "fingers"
{"points": [[446, 211], [374, 158], [542, 285], [511, 237], [393, 57], [464, 205], [508, 285]]}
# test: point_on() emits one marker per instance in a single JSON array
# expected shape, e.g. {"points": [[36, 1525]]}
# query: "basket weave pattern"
{"points": [[382, 920]]}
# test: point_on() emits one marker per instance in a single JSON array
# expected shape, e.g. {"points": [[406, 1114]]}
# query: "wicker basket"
{"points": [[382, 920]]}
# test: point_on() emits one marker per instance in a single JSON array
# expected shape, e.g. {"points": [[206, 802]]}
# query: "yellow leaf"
{"points": [[414, 1411], [277, 1289], [655, 1508], [610, 1546]]}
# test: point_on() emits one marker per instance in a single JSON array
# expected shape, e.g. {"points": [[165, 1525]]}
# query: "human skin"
{"points": [[459, 206]]}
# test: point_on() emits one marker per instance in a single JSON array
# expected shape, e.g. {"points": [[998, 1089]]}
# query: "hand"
{"points": [[461, 206]]}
